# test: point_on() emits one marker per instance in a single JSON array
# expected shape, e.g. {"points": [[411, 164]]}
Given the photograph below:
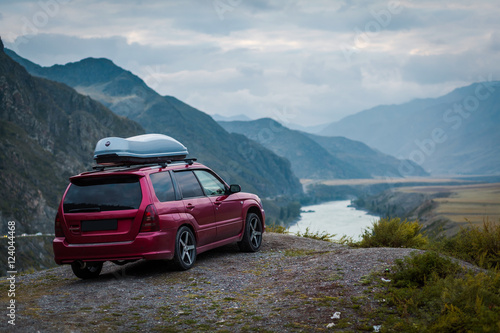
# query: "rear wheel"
{"points": [[252, 238], [86, 270], [185, 249]]}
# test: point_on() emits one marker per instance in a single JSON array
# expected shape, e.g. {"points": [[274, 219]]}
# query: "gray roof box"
{"points": [[141, 149]]}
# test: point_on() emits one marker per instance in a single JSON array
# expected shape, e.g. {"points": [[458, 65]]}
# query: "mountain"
{"points": [[453, 134], [308, 129], [240, 117], [47, 133], [315, 157], [309, 160], [366, 158], [236, 158]]}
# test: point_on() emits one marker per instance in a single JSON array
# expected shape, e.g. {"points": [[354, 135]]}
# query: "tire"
{"points": [[252, 238], [185, 249], [86, 270]]}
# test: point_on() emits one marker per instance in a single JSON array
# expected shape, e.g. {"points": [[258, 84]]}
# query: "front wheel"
{"points": [[252, 238], [185, 249], [86, 270]]}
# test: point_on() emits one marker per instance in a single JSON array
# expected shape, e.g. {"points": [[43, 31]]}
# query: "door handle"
{"points": [[217, 203], [190, 206]]}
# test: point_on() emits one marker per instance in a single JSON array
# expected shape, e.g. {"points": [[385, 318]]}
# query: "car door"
{"points": [[198, 206], [228, 213]]}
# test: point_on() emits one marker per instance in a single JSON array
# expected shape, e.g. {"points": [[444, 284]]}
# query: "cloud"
{"points": [[319, 60], [494, 43]]}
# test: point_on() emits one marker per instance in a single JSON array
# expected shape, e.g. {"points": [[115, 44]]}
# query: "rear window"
{"points": [[103, 194]]}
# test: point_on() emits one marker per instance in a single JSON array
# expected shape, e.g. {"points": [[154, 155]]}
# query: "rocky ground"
{"points": [[292, 284]]}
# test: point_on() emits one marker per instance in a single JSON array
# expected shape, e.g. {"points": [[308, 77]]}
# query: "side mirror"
{"points": [[234, 188]]}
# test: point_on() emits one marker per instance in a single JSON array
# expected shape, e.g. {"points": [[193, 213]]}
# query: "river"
{"points": [[335, 217]]}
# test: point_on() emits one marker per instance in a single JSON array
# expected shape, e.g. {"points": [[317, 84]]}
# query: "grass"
{"points": [[318, 235], [470, 201], [277, 228], [323, 236], [477, 244], [390, 233], [431, 293]]}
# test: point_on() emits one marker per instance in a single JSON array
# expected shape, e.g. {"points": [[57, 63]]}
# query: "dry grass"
{"points": [[465, 202]]}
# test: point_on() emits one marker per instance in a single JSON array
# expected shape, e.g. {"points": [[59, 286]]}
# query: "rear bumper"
{"points": [[150, 246]]}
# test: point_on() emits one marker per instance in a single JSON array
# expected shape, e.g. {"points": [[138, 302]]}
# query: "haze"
{"points": [[302, 62]]}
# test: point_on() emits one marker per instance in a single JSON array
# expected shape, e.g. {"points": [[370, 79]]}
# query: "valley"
{"points": [[349, 161], [440, 204], [463, 203]]}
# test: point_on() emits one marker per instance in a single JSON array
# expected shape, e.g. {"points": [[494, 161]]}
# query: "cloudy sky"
{"points": [[306, 62]]}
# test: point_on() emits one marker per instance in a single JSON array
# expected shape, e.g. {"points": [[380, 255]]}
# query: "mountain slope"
{"points": [[47, 133], [365, 158], [315, 157], [453, 134], [236, 158], [308, 159]]}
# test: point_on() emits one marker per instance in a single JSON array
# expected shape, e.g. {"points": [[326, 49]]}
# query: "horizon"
{"points": [[313, 129], [305, 63]]}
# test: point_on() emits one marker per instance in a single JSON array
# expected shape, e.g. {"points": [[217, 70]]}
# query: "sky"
{"points": [[296, 61]]}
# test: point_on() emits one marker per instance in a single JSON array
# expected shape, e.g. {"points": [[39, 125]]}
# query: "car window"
{"points": [[189, 185], [103, 194], [162, 183], [210, 184]]}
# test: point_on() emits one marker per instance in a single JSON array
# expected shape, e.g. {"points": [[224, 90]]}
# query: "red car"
{"points": [[170, 210]]}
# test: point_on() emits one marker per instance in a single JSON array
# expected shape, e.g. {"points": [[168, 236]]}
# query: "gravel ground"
{"points": [[292, 284]]}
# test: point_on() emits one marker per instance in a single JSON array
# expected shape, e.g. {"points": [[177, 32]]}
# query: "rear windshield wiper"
{"points": [[85, 210]]}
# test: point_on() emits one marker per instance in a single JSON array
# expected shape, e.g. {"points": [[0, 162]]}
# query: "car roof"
{"points": [[139, 170]]}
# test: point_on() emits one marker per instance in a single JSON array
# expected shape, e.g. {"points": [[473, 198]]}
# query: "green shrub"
{"points": [[432, 294], [416, 270], [323, 236], [277, 228], [393, 233], [471, 304], [479, 245]]}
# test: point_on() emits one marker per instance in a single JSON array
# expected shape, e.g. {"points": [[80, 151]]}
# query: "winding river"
{"points": [[335, 217]]}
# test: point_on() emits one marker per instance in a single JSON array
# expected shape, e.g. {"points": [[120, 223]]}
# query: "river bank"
{"points": [[442, 205]]}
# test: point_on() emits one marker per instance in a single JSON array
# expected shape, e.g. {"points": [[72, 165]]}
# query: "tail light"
{"points": [[58, 227], [150, 220]]}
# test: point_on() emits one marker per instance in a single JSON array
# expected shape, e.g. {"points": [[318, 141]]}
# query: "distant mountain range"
{"points": [[454, 134], [317, 157], [236, 158], [239, 117], [310, 156]]}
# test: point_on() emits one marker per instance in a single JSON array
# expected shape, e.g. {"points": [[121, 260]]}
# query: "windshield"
{"points": [[103, 194]]}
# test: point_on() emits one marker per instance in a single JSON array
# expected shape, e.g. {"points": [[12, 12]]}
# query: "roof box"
{"points": [[141, 149]]}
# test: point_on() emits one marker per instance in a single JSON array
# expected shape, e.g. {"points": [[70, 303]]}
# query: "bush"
{"points": [[323, 236], [393, 233], [471, 304], [277, 228], [434, 294], [479, 245], [416, 270]]}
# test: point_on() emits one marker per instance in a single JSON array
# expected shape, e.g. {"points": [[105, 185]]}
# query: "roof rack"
{"points": [[139, 164]]}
